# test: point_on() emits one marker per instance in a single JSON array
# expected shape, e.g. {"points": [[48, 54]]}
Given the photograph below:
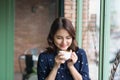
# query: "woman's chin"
{"points": [[63, 49]]}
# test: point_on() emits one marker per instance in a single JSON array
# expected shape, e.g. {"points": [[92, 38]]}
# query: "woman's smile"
{"points": [[63, 45]]}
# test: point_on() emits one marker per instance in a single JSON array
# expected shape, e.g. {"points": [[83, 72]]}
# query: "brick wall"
{"points": [[70, 10], [32, 22], [85, 24]]}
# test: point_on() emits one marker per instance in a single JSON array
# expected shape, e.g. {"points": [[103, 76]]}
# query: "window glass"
{"points": [[115, 37], [90, 33]]}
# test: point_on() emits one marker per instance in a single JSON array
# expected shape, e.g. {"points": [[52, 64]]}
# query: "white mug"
{"points": [[66, 54]]}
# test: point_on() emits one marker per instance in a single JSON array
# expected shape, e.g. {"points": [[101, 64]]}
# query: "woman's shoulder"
{"points": [[80, 51], [45, 54], [82, 54]]}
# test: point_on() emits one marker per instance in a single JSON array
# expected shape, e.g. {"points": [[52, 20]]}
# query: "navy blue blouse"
{"points": [[46, 63]]}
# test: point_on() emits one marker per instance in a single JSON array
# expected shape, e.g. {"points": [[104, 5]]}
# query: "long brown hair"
{"points": [[57, 24]]}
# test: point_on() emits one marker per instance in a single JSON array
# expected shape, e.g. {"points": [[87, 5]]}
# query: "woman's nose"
{"points": [[64, 41]]}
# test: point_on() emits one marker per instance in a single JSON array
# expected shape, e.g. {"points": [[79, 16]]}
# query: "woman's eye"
{"points": [[59, 38], [69, 37]]}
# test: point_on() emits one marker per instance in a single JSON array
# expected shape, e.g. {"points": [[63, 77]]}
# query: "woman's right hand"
{"points": [[59, 59]]}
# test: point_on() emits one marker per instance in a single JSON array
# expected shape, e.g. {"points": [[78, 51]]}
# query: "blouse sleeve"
{"points": [[42, 67], [84, 70]]}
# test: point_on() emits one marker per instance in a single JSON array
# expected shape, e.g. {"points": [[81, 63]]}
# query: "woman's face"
{"points": [[62, 39]]}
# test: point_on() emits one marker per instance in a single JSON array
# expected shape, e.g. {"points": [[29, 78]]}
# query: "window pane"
{"points": [[91, 10], [115, 37]]}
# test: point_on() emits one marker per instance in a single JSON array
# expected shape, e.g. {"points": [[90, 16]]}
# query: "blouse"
{"points": [[46, 63]]}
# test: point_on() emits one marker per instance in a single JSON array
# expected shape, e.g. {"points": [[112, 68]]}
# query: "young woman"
{"points": [[52, 65]]}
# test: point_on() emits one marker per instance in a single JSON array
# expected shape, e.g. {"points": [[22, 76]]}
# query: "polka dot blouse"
{"points": [[46, 63]]}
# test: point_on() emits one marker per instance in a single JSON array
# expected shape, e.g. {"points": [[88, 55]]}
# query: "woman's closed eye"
{"points": [[68, 37], [58, 37]]}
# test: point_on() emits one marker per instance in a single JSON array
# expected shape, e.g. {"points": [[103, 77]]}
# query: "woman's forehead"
{"points": [[62, 31]]}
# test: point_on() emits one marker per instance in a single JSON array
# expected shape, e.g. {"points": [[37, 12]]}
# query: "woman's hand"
{"points": [[72, 60], [70, 63], [59, 59]]}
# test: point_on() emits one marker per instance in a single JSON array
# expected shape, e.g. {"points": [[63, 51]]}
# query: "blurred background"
{"points": [[34, 17]]}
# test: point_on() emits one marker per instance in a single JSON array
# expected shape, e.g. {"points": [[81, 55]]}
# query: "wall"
{"points": [[32, 22], [70, 10]]}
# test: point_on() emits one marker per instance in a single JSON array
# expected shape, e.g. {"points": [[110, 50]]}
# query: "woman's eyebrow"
{"points": [[58, 35]]}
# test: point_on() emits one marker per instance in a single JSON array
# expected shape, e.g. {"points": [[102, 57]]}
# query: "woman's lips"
{"points": [[63, 46]]}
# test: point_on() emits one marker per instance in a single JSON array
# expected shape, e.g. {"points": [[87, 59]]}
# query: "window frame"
{"points": [[104, 39]]}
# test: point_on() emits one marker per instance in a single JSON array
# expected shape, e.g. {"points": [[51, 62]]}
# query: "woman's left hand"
{"points": [[72, 60]]}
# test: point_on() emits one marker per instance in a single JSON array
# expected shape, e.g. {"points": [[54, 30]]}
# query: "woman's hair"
{"points": [[57, 24]]}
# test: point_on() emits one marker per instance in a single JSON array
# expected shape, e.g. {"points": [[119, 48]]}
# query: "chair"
{"points": [[30, 70]]}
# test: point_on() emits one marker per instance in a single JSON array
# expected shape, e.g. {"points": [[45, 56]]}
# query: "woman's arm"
{"points": [[83, 72], [76, 75], [59, 59], [52, 74]]}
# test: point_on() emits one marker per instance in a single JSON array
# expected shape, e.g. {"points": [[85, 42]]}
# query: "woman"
{"points": [[52, 65]]}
